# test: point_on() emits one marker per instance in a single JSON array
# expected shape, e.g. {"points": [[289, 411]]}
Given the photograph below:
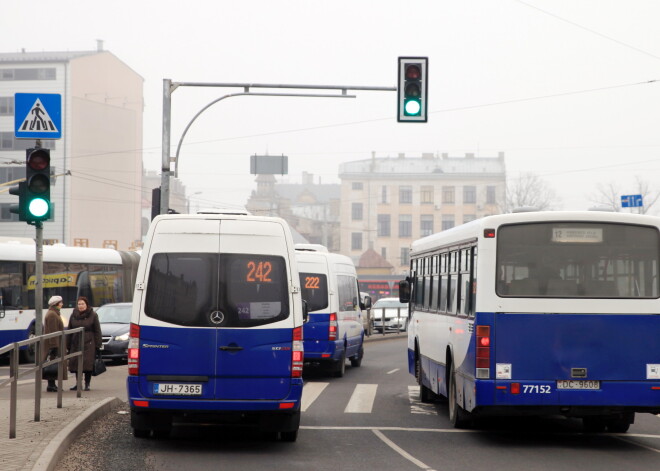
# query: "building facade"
{"points": [[386, 203], [96, 188]]}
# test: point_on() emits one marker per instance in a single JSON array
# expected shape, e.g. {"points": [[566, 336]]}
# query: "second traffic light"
{"points": [[412, 90], [37, 185]]}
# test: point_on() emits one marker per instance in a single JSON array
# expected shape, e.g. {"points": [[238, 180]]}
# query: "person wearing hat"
{"points": [[53, 323]]}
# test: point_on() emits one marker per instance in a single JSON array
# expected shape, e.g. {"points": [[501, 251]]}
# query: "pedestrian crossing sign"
{"points": [[37, 116]]}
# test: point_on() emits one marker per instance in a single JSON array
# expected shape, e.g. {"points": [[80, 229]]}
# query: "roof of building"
{"points": [[372, 259], [428, 164], [43, 56], [322, 193]]}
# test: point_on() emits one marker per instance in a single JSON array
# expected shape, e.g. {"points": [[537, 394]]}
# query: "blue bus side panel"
{"points": [[315, 339]]}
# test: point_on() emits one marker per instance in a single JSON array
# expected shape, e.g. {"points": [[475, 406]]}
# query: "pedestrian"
{"points": [[84, 316], [53, 323]]}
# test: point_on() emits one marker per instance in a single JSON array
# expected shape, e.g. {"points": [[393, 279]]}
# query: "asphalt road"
{"points": [[369, 419]]}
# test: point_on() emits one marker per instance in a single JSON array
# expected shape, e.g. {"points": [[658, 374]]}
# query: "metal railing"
{"points": [[14, 372], [383, 328]]}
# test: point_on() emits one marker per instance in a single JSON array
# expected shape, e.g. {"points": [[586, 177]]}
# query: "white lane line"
{"points": [[639, 444], [393, 371], [391, 429], [311, 392], [400, 451], [417, 406], [362, 400]]}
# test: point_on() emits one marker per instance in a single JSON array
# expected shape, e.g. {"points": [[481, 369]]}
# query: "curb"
{"points": [[51, 455], [378, 336]]}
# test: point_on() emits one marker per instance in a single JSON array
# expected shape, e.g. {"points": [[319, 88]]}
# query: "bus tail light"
{"points": [[297, 354], [134, 350], [332, 329], [483, 351]]}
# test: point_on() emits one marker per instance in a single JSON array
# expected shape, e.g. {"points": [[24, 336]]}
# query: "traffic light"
{"points": [[412, 90], [37, 185], [18, 190]]}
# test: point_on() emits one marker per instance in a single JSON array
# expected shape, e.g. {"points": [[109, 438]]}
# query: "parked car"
{"points": [[115, 320], [395, 315]]}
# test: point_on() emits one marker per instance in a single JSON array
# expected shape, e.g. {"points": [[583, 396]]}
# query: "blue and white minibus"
{"points": [[102, 275], [216, 327], [539, 313]]}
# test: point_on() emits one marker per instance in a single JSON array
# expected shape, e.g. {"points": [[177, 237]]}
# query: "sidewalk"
{"points": [[38, 446]]}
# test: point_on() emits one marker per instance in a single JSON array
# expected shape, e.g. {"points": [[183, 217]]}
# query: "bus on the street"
{"points": [[102, 275], [539, 313]]}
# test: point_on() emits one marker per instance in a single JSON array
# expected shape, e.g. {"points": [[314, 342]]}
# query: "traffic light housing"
{"points": [[412, 90], [36, 193], [18, 190]]}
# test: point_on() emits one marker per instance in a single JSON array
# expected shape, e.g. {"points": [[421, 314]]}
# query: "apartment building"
{"points": [[96, 189], [388, 202]]}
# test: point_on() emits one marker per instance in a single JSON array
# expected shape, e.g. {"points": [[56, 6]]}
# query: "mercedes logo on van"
{"points": [[217, 317]]}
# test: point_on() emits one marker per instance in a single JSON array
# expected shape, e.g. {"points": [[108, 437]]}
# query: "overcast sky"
{"points": [[561, 86]]}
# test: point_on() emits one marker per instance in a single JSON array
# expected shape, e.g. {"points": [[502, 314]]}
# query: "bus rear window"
{"points": [[217, 290], [577, 260], [314, 290]]}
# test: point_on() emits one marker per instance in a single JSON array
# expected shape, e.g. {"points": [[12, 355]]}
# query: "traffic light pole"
{"points": [[39, 275], [169, 87]]}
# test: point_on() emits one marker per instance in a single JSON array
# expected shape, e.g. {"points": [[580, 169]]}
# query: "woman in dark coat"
{"points": [[53, 323], [84, 316]]}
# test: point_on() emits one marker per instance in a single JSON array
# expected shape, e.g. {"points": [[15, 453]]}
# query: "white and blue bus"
{"points": [[102, 275], [539, 313]]}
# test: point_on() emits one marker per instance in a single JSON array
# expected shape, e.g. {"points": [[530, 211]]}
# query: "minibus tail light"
{"points": [[332, 328], [483, 351], [134, 350], [297, 353]]}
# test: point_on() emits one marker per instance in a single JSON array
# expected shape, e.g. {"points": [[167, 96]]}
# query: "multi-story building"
{"points": [[96, 190], [386, 203]]}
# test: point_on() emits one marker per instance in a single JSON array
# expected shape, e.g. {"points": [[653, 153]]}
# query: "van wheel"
{"points": [[289, 436], [340, 366], [356, 361], [620, 424]]}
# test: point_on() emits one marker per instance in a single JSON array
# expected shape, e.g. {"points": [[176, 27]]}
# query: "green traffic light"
{"points": [[412, 107], [38, 207]]}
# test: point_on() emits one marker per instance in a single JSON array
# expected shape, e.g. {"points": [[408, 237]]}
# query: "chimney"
{"points": [[427, 155], [445, 155], [469, 155], [500, 155], [402, 155], [99, 45]]}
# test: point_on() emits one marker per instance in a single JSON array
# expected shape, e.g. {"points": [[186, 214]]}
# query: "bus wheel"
{"points": [[457, 415], [425, 394], [356, 361], [620, 424], [27, 355]]}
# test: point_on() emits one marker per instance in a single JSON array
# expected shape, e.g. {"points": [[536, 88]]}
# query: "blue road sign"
{"points": [[37, 116], [631, 201]]}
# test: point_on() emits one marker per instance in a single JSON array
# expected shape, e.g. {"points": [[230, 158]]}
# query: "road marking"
{"points": [[638, 444], [400, 451], [393, 371], [362, 400], [390, 429], [417, 406], [311, 392]]}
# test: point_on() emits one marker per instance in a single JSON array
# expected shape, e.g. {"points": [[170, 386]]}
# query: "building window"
{"points": [[405, 194], [405, 225], [6, 106], [447, 221], [383, 252], [8, 142], [490, 195], [41, 73], [469, 217], [383, 225], [405, 256], [383, 195], [356, 241], [356, 186], [356, 211], [426, 225], [426, 195], [469, 194], [448, 194]]}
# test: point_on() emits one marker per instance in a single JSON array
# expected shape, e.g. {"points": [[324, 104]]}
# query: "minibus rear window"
{"points": [[217, 290], [314, 290]]}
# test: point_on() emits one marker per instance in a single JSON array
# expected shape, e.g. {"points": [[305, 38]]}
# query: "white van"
{"points": [[334, 329], [216, 327]]}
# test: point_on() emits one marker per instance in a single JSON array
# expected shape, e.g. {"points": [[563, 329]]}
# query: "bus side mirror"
{"points": [[404, 291]]}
